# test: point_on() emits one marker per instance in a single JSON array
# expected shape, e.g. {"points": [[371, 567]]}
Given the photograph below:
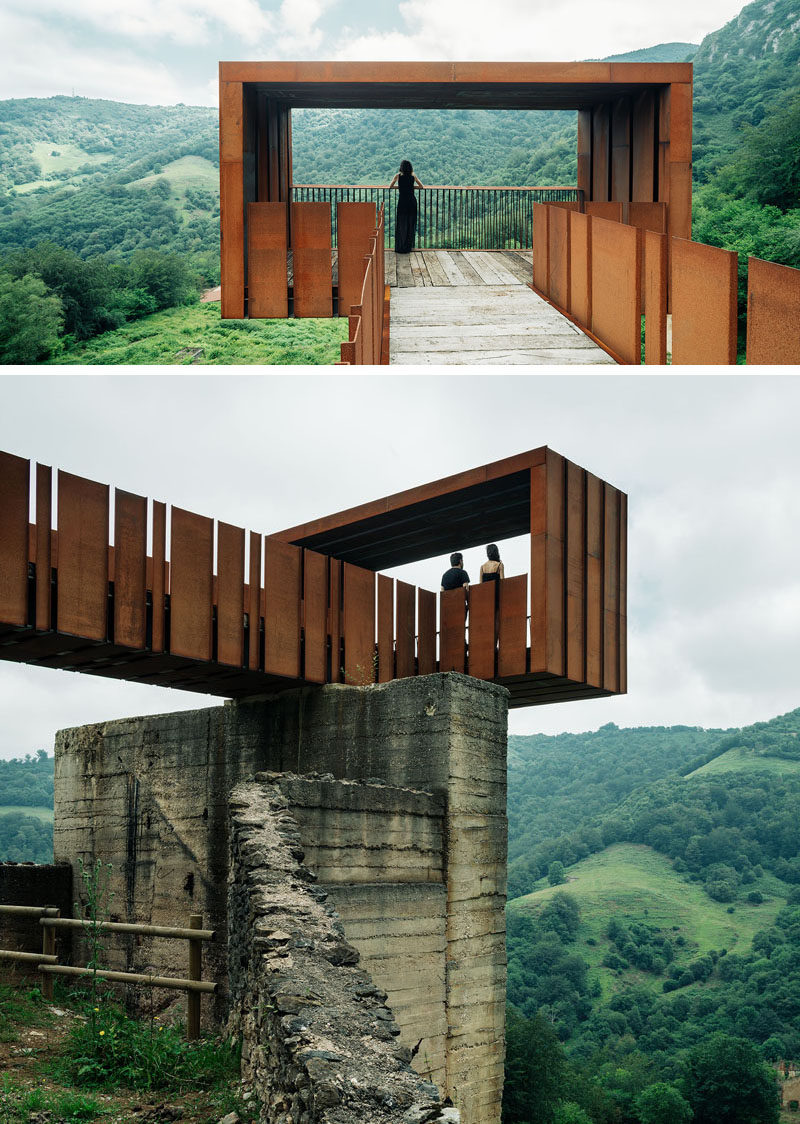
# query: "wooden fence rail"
{"points": [[47, 962]]}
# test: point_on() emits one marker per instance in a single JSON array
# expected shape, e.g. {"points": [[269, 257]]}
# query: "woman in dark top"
{"points": [[406, 223], [492, 569]]}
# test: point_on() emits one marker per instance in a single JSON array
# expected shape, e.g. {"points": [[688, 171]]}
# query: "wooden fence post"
{"points": [[195, 970], [49, 949]]}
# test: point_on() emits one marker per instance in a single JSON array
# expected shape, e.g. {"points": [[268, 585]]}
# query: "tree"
{"points": [[726, 1082], [662, 1104], [556, 874], [570, 1113], [30, 320], [535, 1070]]}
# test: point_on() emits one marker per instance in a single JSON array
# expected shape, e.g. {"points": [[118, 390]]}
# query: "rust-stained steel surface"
{"points": [[541, 246], [773, 313], [267, 291], [311, 239], [655, 297], [355, 223], [616, 288], [312, 614], [580, 254], [559, 256], [703, 284]]}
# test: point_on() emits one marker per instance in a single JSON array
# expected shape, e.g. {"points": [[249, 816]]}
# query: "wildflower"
{"points": [[102, 1032]]}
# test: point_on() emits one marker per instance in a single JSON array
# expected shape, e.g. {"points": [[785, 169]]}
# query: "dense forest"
{"points": [[108, 182], [26, 783], [665, 925]]}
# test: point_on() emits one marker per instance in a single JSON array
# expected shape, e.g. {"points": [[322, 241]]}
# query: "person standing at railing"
{"points": [[492, 569], [406, 221], [456, 576]]}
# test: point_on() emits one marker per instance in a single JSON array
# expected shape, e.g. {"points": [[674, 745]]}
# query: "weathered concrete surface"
{"points": [[318, 1040], [150, 795]]}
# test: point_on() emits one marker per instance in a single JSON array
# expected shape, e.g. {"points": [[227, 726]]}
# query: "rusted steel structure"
{"points": [[235, 614], [634, 128], [606, 272]]}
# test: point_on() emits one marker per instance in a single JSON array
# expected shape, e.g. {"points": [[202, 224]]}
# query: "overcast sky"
{"points": [[711, 465], [166, 51]]}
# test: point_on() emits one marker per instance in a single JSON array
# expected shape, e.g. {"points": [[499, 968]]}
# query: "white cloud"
{"points": [[533, 29]]}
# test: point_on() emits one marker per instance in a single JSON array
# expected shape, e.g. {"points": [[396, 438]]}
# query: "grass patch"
{"points": [[636, 883], [20, 1007], [52, 157], [166, 338], [113, 1051], [17, 1103], [188, 171], [741, 760], [44, 814]]}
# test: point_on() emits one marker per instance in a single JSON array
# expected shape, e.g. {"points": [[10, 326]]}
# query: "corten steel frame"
{"points": [[308, 606], [634, 127]]}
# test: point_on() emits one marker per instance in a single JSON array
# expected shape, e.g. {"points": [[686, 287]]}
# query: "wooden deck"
{"points": [[475, 308]]}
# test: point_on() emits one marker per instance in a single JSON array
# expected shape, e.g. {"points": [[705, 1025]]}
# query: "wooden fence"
{"points": [[47, 963], [607, 268]]}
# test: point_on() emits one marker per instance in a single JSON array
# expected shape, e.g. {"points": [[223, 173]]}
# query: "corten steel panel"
{"points": [[580, 271], [44, 499], [335, 618], [385, 629], [130, 569], [703, 285], [547, 566], [230, 595], [191, 566], [231, 173], [540, 236], [595, 523], [559, 259], [355, 223], [680, 123], [426, 640], [315, 616], [601, 152], [513, 625], [159, 568], [644, 148], [680, 200], [311, 243], [267, 283], [283, 568], [611, 590], [14, 510], [576, 572], [773, 313], [368, 312], [584, 181], [623, 593], [646, 216], [262, 149], [655, 298], [610, 211], [452, 630], [482, 613], [616, 288], [254, 601], [405, 630], [621, 150], [359, 625], [82, 557]]}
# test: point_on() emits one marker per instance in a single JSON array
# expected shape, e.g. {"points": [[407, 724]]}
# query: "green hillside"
{"points": [[26, 809], [746, 761]]}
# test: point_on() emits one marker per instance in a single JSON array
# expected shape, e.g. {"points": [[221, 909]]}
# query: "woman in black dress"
{"points": [[406, 224]]}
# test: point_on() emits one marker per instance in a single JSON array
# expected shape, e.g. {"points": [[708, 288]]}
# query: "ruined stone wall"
{"points": [[319, 1042], [150, 795]]}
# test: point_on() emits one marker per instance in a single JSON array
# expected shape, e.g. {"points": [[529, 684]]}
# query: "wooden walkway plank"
{"points": [[518, 267], [494, 266], [461, 259], [435, 269], [418, 269], [452, 272], [405, 278]]}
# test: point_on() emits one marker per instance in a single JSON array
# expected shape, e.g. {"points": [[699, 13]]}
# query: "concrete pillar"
{"points": [[150, 795]]}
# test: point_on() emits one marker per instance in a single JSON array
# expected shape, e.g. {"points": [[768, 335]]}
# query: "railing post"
{"points": [[49, 949], [195, 970]]}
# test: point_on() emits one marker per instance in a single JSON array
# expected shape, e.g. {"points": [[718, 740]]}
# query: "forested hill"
{"points": [[571, 795]]}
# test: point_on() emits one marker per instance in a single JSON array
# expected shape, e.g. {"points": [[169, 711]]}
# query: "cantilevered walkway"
{"points": [[475, 307]]}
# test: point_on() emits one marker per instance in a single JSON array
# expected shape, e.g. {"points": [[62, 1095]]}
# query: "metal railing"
{"points": [[451, 218]]}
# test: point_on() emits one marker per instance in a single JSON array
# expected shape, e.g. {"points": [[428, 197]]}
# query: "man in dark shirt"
{"points": [[456, 576]]}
